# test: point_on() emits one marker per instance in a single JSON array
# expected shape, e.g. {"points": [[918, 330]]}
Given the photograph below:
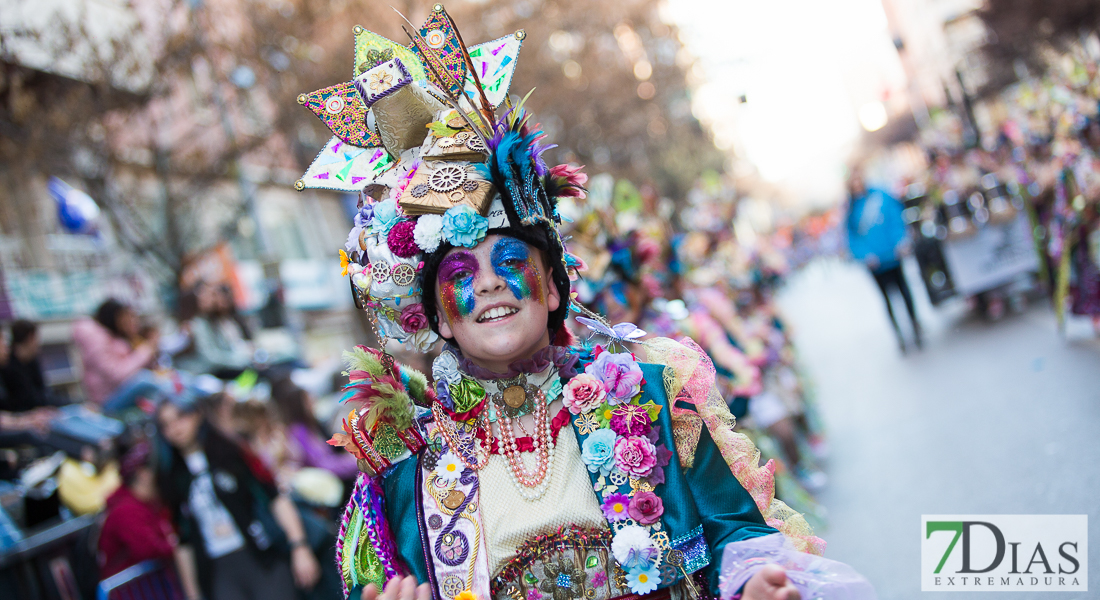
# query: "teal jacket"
{"points": [[705, 507]]}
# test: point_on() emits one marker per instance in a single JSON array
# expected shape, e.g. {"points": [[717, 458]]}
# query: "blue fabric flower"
{"points": [[385, 217], [463, 226], [598, 451], [643, 580]]}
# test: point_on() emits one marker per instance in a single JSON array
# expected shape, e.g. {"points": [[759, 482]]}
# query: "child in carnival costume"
{"points": [[528, 469]]}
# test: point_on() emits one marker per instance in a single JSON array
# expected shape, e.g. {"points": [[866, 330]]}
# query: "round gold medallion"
{"points": [[514, 396], [453, 499]]}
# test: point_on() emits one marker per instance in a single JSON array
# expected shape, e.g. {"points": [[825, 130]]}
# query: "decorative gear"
{"points": [[380, 272], [419, 190], [403, 274], [475, 144], [447, 178]]}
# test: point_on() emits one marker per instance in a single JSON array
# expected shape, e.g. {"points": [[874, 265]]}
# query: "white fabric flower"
{"points": [[448, 467], [428, 232], [421, 341], [633, 547], [445, 368]]}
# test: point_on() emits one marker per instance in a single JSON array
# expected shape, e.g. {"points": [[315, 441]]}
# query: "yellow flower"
{"points": [[344, 263], [465, 595]]}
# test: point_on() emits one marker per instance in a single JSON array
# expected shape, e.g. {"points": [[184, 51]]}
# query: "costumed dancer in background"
{"points": [[529, 469]]}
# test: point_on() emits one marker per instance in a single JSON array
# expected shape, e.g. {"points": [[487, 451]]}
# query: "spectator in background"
{"points": [[180, 345], [267, 437], [877, 236], [305, 434], [221, 347], [237, 532], [137, 526], [116, 358], [22, 374]]}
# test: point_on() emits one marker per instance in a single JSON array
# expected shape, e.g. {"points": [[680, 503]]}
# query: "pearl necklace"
{"points": [[530, 485]]}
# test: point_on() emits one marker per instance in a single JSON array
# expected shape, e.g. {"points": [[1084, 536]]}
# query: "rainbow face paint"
{"points": [[456, 284], [513, 262]]}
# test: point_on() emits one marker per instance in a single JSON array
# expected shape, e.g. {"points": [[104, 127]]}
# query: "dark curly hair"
{"points": [[537, 236]]}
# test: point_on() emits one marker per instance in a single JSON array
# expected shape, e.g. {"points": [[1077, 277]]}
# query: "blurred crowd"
{"points": [[1035, 158], [203, 463]]}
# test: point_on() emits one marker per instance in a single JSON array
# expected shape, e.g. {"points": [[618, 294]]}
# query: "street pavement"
{"points": [[990, 418]]}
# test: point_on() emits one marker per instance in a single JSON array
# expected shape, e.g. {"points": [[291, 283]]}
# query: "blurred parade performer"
{"points": [[529, 468], [877, 236]]}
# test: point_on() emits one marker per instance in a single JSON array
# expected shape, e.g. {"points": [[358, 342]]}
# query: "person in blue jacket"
{"points": [[877, 236]]}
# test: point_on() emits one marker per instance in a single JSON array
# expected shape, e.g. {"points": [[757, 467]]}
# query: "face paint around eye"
{"points": [[456, 284], [514, 263]]}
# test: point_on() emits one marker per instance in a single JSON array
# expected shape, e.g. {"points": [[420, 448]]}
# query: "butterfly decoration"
{"points": [[622, 332]]}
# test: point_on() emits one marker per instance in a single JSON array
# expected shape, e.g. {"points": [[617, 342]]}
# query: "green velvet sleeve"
{"points": [[728, 512], [706, 493]]}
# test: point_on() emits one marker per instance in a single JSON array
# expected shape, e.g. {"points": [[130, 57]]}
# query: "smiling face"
{"points": [[494, 300]]}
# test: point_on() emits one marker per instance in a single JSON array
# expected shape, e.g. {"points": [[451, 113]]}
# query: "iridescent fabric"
{"points": [[813, 576]]}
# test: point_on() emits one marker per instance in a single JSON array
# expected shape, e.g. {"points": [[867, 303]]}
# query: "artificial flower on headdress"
{"points": [[352, 243], [422, 340], [462, 226], [385, 216], [344, 262], [428, 232], [413, 318], [401, 241]]}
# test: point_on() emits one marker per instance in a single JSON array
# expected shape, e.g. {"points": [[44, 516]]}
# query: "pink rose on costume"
{"points": [[620, 374], [646, 508], [635, 456], [583, 393], [413, 318]]}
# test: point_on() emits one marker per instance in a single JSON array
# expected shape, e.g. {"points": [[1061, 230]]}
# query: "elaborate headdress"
{"points": [[416, 133]]}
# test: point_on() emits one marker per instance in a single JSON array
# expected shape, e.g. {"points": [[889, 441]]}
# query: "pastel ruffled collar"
{"points": [[557, 356]]}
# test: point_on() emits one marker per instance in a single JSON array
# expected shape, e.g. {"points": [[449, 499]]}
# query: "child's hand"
{"points": [[769, 583], [399, 588]]}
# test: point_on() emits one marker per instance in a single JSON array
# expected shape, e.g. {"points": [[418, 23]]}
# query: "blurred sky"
{"points": [[805, 68]]}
